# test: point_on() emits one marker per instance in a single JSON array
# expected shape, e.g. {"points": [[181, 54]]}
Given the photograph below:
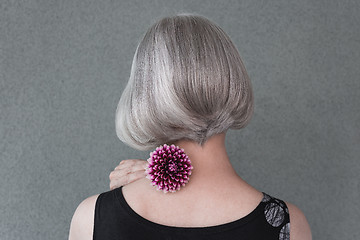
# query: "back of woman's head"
{"points": [[187, 81]]}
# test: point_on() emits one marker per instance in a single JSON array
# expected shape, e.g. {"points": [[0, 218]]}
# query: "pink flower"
{"points": [[169, 168]]}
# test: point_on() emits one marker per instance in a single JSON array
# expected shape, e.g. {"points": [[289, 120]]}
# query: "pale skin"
{"points": [[215, 194]]}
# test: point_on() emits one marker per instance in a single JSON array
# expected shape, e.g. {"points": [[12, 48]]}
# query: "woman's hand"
{"points": [[126, 172]]}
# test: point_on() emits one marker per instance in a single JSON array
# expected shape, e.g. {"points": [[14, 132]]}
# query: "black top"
{"points": [[114, 219]]}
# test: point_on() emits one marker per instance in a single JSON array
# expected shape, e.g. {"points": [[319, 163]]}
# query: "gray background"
{"points": [[64, 64]]}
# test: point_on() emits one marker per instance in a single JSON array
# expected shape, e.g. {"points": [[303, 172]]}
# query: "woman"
{"points": [[187, 87]]}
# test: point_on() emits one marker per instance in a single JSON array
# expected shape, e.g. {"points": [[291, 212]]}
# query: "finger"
{"points": [[117, 174], [120, 173], [139, 166], [126, 179], [132, 163], [118, 182], [136, 176], [126, 163]]}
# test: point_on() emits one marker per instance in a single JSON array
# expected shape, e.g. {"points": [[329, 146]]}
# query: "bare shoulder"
{"points": [[82, 222], [299, 226]]}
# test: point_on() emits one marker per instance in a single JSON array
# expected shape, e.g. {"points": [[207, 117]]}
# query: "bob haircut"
{"points": [[187, 81]]}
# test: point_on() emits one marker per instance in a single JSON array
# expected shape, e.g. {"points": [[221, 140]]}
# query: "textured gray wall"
{"points": [[63, 66]]}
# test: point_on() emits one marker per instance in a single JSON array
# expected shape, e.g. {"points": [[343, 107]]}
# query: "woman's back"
{"points": [[132, 212], [208, 205], [215, 204]]}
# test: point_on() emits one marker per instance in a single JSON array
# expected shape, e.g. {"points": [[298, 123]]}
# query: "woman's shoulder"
{"points": [[82, 222], [278, 212], [299, 226]]}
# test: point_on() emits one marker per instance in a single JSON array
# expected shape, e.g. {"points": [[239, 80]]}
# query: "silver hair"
{"points": [[187, 81]]}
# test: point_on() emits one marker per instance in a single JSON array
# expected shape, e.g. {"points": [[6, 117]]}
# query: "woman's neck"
{"points": [[214, 195], [211, 164]]}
